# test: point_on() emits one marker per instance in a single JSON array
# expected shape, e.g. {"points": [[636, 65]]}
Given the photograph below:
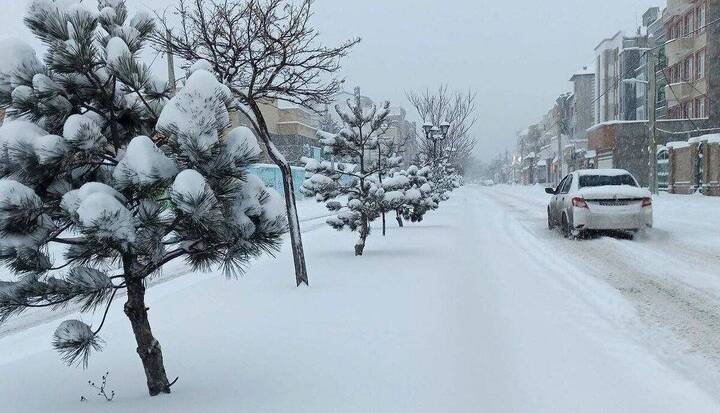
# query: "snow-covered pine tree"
{"points": [[352, 187], [104, 180], [417, 192]]}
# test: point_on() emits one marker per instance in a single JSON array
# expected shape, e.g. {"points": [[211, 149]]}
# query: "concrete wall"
{"points": [[711, 181], [682, 165]]}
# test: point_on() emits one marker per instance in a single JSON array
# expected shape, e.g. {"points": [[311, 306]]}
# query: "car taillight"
{"points": [[647, 202], [579, 202]]}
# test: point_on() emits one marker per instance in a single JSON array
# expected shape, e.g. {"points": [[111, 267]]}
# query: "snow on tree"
{"points": [[419, 196], [96, 158], [351, 187], [266, 49]]}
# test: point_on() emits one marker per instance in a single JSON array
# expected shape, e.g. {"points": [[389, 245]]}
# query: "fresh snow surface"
{"points": [[71, 200], [189, 183], [108, 215], [479, 308], [242, 140], [194, 106], [48, 147], [16, 132], [116, 50], [201, 64], [144, 163], [15, 54], [610, 191], [78, 128], [13, 193]]}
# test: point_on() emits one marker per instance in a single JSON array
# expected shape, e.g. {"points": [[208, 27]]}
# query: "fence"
{"points": [[271, 176], [694, 166]]}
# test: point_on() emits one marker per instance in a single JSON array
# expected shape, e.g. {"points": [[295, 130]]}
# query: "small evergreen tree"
{"points": [[352, 188], [418, 194], [97, 159]]}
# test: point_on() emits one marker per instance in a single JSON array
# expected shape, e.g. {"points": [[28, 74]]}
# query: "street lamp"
{"points": [[436, 134]]}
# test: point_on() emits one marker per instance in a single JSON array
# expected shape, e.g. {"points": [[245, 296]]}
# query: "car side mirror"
{"points": [[550, 191]]}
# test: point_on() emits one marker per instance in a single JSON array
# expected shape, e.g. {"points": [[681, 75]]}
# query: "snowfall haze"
{"points": [[518, 56]]}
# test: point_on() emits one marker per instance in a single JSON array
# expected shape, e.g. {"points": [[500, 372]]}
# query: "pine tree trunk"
{"points": [[364, 231], [383, 223], [399, 219], [148, 348]]}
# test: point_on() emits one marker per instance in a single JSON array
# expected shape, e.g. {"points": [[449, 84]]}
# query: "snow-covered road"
{"points": [[477, 309]]}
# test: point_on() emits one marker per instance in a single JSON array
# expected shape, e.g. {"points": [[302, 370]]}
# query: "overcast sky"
{"points": [[517, 55]]}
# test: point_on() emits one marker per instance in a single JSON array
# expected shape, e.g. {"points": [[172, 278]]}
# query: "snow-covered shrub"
{"points": [[97, 158], [418, 194]]}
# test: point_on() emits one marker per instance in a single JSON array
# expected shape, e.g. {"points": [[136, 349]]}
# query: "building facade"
{"points": [[293, 130], [582, 109], [654, 27], [689, 69], [618, 59]]}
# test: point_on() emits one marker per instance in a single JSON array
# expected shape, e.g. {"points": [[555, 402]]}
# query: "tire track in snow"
{"points": [[684, 318]]}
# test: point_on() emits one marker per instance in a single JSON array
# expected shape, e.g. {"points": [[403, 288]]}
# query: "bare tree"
{"points": [[455, 107], [262, 50]]}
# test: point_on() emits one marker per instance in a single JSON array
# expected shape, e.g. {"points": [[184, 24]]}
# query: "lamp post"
{"points": [[436, 134]]}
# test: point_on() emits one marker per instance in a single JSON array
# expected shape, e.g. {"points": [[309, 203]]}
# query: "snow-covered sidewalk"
{"points": [[474, 310]]}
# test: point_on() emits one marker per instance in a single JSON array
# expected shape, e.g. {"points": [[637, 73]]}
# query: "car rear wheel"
{"points": [[565, 227], [551, 223]]}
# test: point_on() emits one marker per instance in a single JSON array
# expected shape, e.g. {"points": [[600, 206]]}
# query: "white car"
{"points": [[597, 200]]}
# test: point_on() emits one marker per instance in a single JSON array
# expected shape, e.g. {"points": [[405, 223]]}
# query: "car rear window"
{"points": [[606, 180]]}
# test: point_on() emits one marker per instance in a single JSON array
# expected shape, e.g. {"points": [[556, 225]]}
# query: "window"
{"points": [[685, 110], [606, 180], [688, 73], [700, 17], [701, 64], [690, 22], [690, 110], [700, 107]]}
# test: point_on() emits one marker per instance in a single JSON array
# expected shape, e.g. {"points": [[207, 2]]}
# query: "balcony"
{"points": [[679, 92], [678, 49]]}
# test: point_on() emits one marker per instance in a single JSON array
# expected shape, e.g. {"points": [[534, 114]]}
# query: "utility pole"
{"points": [[562, 101], [171, 64], [652, 118]]}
